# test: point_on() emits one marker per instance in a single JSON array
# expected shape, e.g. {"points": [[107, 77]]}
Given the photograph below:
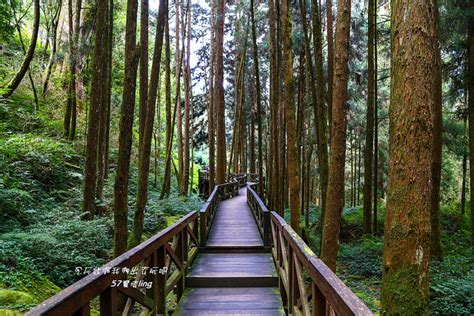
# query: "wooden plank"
{"points": [[138, 296], [234, 224], [236, 301]]}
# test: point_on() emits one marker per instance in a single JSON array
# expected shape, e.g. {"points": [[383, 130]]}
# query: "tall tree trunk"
{"points": [[143, 87], [54, 42], [165, 190], [219, 93], [471, 116], [104, 120], [376, 124], [145, 150], [319, 108], [369, 131], [335, 191], [290, 108], [211, 108], [464, 170], [274, 163], [258, 97], [15, 82], [407, 224], [98, 88], [187, 102], [126, 125], [179, 130], [330, 40]]}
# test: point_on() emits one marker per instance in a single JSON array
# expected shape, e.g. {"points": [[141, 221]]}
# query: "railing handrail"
{"points": [[84, 290], [337, 294], [260, 212], [209, 209]]}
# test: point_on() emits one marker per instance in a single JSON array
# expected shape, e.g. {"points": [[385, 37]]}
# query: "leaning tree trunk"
{"points": [[126, 124], [406, 257], [335, 191], [13, 85]]}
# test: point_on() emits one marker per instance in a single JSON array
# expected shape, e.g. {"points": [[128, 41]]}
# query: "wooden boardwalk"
{"points": [[232, 257], [234, 274]]}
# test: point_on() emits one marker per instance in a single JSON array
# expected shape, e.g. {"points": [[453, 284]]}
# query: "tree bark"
{"points": [[219, 94], [145, 150], [211, 109], [335, 191], [407, 224], [165, 190], [187, 102], [471, 115], [126, 124], [143, 87], [369, 131], [330, 40], [98, 86]]}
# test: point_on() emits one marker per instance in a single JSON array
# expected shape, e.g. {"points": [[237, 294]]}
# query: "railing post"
{"points": [[108, 302], [319, 301], [202, 228], [180, 248], [159, 280], [266, 229]]}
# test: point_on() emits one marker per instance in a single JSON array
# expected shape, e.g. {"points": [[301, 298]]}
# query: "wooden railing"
{"points": [[260, 212], [160, 264], [307, 285], [209, 209]]}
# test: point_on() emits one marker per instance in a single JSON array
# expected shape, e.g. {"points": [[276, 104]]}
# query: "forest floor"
{"points": [[42, 238], [360, 261]]}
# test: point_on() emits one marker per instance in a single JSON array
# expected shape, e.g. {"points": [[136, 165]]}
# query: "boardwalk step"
{"points": [[233, 301], [232, 270], [235, 249]]}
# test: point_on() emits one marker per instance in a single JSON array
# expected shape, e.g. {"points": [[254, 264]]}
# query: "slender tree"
{"points": [[98, 86], [369, 131], [165, 190], [187, 102], [330, 40], [143, 86], [211, 108], [335, 193], [126, 124], [471, 114], [413, 96], [219, 93], [15, 82]]}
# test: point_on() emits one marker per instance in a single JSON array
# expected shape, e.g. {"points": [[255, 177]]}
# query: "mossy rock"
{"points": [[13, 298], [36, 286]]}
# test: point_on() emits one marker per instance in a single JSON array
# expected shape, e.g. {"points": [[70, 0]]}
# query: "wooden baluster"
{"points": [[159, 281], [291, 282], [108, 302], [202, 228], [180, 254], [83, 311], [319, 301]]}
